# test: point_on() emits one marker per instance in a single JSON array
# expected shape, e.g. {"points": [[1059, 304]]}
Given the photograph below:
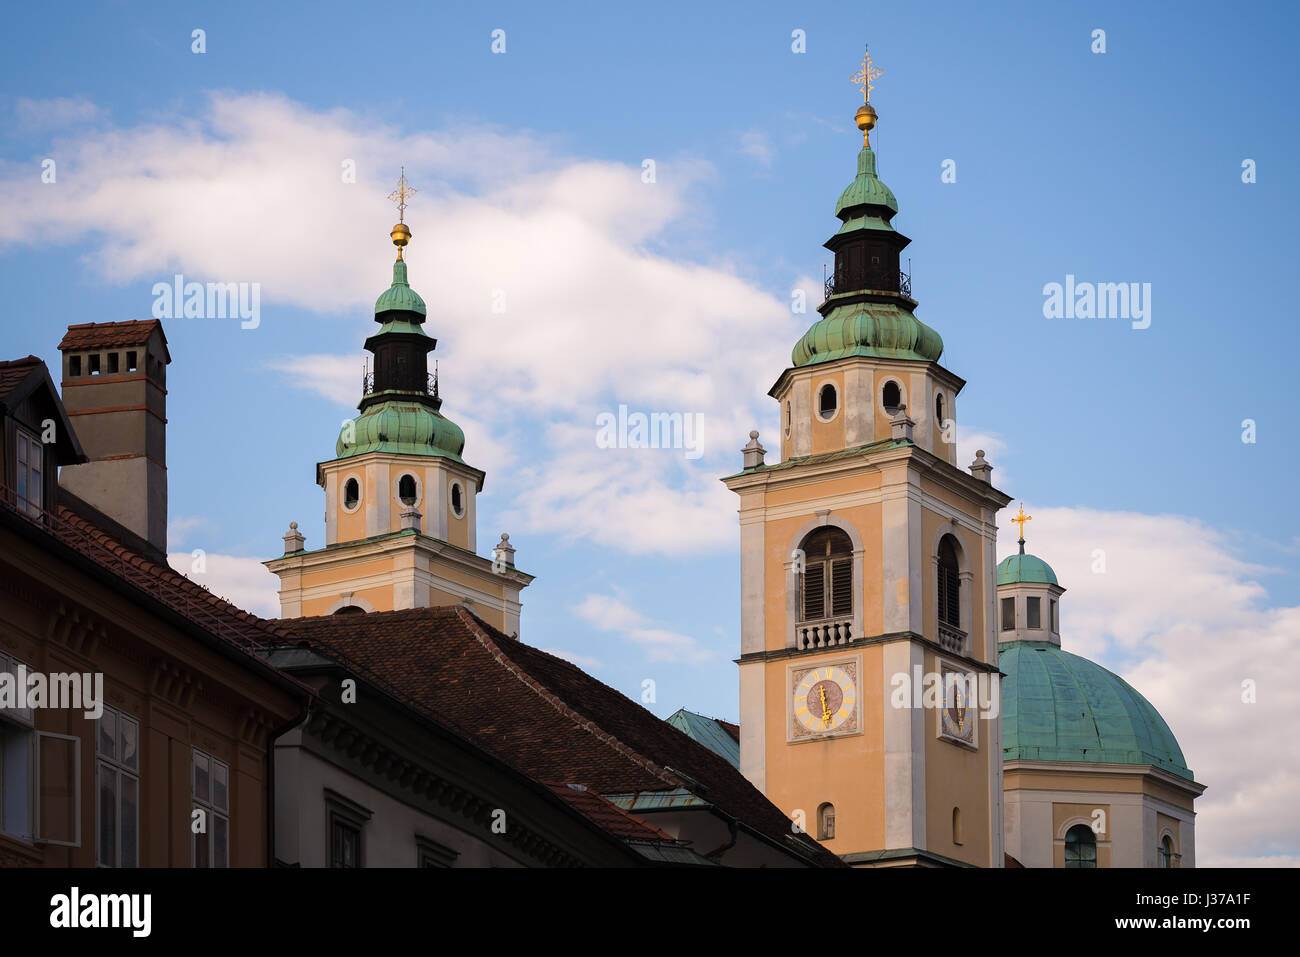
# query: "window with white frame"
{"points": [[30, 472], [40, 773], [15, 761], [117, 785], [211, 780]]}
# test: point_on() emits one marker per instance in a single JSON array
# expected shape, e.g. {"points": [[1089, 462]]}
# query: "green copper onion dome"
{"points": [[867, 329], [403, 427], [1059, 707], [868, 307], [1025, 568], [866, 189], [401, 411], [399, 296]]}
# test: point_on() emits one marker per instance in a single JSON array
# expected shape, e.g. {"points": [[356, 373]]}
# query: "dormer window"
{"points": [[31, 471]]}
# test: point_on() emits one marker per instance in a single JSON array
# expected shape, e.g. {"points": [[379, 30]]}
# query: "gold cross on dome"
{"points": [[398, 196], [1020, 520], [864, 77]]}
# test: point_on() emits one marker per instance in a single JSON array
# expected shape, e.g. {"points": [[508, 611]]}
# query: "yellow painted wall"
{"points": [[828, 436], [847, 771]]}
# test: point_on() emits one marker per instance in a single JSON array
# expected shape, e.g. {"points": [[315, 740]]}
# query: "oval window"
{"points": [[457, 500], [351, 493], [406, 489], [891, 397], [938, 409], [827, 402]]}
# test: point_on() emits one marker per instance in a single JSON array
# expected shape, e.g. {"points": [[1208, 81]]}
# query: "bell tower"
{"points": [[400, 523], [868, 644]]}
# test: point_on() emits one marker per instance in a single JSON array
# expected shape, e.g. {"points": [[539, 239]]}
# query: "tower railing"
{"points": [[882, 280], [827, 633], [430, 386], [953, 639]]}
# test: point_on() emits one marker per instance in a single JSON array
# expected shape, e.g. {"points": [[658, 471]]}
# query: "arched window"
{"points": [[1167, 852], [827, 402], [350, 610], [406, 489], [1080, 847], [827, 580], [956, 825], [949, 584], [891, 397], [826, 822]]}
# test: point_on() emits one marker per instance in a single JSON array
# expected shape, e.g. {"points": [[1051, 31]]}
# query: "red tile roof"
{"points": [[607, 816], [541, 714], [99, 335], [731, 729], [235, 626], [14, 372]]}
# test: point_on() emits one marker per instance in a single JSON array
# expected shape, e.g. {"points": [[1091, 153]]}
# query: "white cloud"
{"points": [[1185, 621], [593, 317], [179, 529], [584, 662], [610, 614], [244, 582], [757, 145]]}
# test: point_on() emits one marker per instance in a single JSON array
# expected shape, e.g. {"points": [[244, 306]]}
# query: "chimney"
{"points": [[115, 392]]}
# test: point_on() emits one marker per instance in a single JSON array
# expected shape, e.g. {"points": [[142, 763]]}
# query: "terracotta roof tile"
{"points": [[607, 816], [14, 372], [541, 714], [98, 335]]}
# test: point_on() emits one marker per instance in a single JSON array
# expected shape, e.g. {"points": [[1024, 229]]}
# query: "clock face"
{"points": [[956, 718], [825, 699]]}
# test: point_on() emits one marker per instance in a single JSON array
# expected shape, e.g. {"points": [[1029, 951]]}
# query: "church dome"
{"points": [[400, 295], [402, 427], [878, 329], [1025, 568], [1059, 707], [866, 188]]}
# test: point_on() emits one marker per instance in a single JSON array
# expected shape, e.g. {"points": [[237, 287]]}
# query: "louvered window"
{"points": [[827, 580], [949, 591]]}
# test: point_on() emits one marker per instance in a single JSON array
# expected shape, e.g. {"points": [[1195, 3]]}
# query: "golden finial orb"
{"points": [[401, 234], [865, 79]]}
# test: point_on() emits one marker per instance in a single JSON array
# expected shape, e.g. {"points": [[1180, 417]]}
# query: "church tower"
{"points": [[399, 498], [867, 574]]}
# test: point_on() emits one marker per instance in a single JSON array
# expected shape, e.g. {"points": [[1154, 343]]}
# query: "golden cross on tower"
{"points": [[864, 77], [398, 196], [1020, 520]]}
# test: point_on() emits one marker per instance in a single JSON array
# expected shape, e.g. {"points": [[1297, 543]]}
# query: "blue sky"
{"points": [[1123, 166]]}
